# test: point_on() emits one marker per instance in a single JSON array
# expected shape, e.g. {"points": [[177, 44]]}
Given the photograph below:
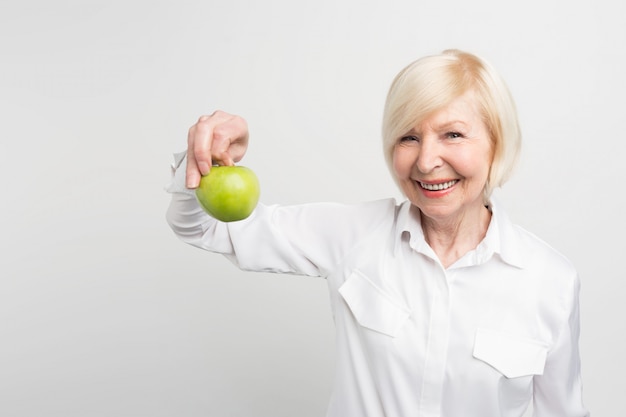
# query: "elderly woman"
{"points": [[442, 306]]}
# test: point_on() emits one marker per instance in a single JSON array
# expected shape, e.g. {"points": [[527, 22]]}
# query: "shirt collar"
{"points": [[506, 237], [502, 236]]}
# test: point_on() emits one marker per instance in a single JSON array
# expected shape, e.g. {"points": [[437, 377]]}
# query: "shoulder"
{"points": [[554, 275], [528, 250], [541, 253], [547, 269]]}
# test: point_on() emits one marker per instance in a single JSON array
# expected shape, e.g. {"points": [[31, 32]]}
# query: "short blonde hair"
{"points": [[431, 83]]}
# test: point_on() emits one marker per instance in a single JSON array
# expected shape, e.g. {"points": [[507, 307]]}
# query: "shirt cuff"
{"points": [[179, 171]]}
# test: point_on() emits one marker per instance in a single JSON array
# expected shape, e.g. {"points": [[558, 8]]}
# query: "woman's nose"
{"points": [[429, 157]]}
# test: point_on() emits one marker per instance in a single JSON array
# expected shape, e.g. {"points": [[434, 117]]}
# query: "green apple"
{"points": [[229, 193]]}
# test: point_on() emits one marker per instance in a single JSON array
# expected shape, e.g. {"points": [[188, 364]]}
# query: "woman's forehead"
{"points": [[462, 110]]}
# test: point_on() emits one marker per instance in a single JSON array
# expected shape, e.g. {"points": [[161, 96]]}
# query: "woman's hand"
{"points": [[220, 138]]}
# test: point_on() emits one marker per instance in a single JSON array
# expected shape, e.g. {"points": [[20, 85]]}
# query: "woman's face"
{"points": [[443, 164]]}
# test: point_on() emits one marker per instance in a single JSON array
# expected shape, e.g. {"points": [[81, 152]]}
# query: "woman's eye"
{"points": [[408, 138], [454, 135]]}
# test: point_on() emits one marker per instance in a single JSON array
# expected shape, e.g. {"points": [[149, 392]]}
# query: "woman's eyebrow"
{"points": [[448, 124], [452, 123]]}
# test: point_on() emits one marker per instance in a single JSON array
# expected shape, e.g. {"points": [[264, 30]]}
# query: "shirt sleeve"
{"points": [[558, 392], [307, 239]]}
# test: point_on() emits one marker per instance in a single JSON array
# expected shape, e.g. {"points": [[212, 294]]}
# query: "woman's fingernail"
{"points": [[192, 181]]}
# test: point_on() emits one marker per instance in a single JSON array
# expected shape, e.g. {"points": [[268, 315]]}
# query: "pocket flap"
{"points": [[373, 307], [511, 355]]}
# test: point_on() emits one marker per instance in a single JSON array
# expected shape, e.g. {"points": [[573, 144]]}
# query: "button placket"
{"points": [[436, 352]]}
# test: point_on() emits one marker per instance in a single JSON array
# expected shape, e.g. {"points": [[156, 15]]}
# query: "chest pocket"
{"points": [[372, 306], [512, 356]]}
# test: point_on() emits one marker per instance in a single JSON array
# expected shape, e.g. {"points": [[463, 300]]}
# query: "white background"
{"points": [[103, 312]]}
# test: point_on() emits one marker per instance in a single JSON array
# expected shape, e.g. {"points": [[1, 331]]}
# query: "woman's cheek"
{"points": [[401, 164]]}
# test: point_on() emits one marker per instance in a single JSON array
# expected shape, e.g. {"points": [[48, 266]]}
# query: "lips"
{"points": [[438, 186]]}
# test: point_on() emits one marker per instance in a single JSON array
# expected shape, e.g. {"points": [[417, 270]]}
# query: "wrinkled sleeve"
{"points": [[558, 392], [307, 239]]}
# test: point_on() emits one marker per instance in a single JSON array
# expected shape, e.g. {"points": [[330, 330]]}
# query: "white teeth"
{"points": [[438, 187]]}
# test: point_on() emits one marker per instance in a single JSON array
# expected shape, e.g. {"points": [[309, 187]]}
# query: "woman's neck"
{"points": [[453, 238]]}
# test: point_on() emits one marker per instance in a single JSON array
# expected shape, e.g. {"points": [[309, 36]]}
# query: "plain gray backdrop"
{"points": [[104, 312]]}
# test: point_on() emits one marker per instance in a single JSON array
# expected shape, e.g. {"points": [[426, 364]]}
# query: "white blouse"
{"points": [[479, 339]]}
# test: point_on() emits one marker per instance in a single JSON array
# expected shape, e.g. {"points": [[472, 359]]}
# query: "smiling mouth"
{"points": [[438, 187]]}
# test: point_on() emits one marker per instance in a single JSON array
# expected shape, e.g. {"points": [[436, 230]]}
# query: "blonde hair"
{"points": [[431, 83]]}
